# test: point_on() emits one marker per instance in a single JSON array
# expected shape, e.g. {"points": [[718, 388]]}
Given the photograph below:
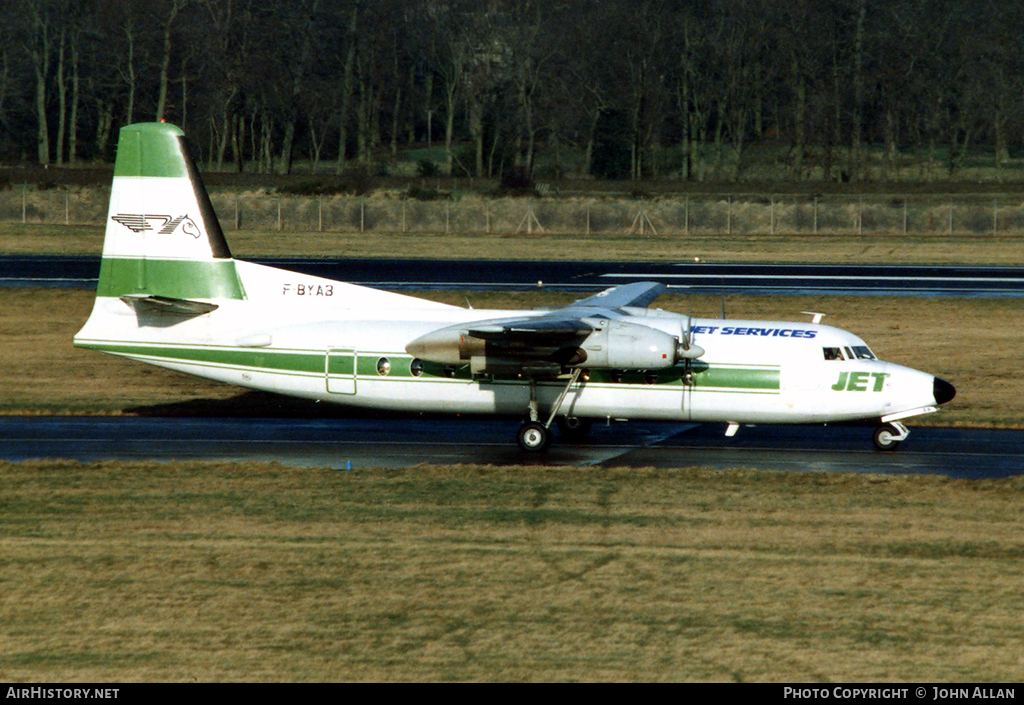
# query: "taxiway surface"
{"points": [[404, 442]]}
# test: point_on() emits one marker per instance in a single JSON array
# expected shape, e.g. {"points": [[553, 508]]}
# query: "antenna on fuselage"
{"points": [[815, 316]]}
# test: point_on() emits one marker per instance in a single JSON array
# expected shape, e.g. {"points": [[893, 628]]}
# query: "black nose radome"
{"points": [[943, 390]]}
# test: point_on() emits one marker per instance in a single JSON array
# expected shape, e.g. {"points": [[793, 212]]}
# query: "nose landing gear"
{"points": [[889, 436]]}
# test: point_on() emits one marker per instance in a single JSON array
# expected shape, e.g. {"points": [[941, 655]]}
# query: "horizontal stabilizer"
{"points": [[164, 304]]}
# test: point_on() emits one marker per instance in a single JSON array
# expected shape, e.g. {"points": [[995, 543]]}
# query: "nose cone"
{"points": [[943, 391]]}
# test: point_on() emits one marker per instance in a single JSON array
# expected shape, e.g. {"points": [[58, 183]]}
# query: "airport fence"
{"points": [[733, 214]]}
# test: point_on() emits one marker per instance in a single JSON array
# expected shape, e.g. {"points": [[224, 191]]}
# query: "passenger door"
{"points": [[341, 370]]}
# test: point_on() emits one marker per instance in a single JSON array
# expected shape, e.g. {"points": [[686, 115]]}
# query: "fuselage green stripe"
{"points": [[310, 362]]}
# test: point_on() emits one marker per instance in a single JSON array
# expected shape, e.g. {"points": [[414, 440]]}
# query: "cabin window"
{"points": [[861, 352], [383, 366], [833, 353], [416, 367]]}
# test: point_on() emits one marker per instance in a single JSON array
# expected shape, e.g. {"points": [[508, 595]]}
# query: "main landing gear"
{"points": [[534, 436]]}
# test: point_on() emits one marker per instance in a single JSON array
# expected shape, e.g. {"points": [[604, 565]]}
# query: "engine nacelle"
{"points": [[629, 346], [612, 344]]}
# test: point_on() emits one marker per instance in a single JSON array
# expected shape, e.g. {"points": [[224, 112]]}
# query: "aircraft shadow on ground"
{"points": [[252, 405]]}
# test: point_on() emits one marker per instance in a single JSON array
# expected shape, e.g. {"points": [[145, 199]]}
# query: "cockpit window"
{"points": [[833, 353], [861, 352]]}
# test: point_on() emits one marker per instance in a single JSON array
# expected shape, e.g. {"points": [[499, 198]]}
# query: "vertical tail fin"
{"points": [[163, 238]]}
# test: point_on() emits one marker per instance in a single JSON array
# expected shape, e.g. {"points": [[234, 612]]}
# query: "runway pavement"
{"points": [[505, 275], [403, 442], [400, 443]]}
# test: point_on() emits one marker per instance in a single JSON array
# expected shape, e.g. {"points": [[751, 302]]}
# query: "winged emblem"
{"points": [[139, 223]]}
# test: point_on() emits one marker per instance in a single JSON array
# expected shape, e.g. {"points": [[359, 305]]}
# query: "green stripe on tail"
{"points": [[163, 237]]}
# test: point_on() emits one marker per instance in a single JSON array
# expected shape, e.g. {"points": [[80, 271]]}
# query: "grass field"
{"points": [[37, 239], [180, 572]]}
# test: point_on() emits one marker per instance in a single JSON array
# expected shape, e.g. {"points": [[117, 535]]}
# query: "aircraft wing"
{"points": [[545, 343], [636, 294], [566, 324]]}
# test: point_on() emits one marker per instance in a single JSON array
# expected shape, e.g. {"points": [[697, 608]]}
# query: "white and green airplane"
{"points": [[171, 294]]}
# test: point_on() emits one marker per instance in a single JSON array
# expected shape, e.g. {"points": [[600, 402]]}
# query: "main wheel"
{"points": [[573, 427], [533, 437], [886, 437]]}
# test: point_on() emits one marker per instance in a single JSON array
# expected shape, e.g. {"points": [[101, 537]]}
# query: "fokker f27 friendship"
{"points": [[171, 294]]}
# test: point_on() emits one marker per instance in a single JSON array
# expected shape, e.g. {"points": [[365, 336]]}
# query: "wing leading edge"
{"points": [[636, 294]]}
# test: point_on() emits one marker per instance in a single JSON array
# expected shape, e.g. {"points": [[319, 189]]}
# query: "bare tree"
{"points": [[449, 55], [348, 47], [38, 39], [169, 14]]}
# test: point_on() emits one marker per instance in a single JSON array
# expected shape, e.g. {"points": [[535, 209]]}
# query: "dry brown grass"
{"points": [[43, 372], [213, 572], [972, 343], [39, 239]]}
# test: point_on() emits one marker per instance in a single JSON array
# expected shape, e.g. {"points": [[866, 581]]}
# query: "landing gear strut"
{"points": [[534, 436]]}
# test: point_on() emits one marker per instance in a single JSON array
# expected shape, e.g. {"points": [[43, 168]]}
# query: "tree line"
{"points": [[682, 89]]}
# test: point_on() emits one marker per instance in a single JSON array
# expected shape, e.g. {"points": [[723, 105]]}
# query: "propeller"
{"points": [[686, 350]]}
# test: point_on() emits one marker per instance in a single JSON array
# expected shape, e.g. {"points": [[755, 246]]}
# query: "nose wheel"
{"points": [[889, 436]]}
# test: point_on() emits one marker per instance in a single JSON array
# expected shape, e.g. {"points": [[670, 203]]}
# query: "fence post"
{"points": [[995, 217], [362, 215], [772, 226], [319, 213], [904, 216], [951, 218], [236, 211], [24, 203], [279, 214], [815, 215], [728, 216], [67, 206], [686, 216]]}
